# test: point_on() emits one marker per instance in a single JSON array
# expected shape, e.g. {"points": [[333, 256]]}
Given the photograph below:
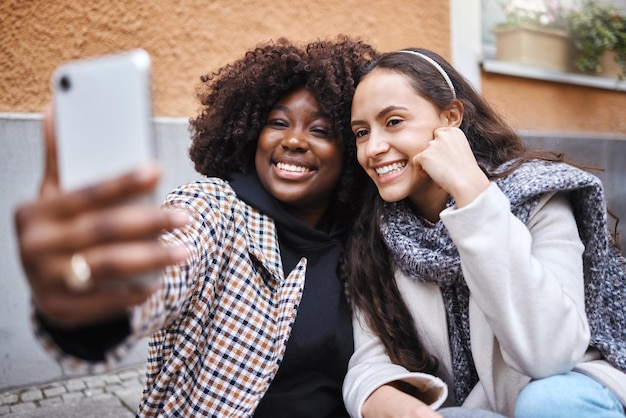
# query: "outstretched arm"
{"points": [[117, 240]]}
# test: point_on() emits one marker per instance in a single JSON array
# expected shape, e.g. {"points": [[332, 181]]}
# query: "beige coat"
{"points": [[515, 336]]}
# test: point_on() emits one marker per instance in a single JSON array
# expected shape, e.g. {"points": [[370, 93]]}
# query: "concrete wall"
{"points": [[22, 361], [607, 155]]}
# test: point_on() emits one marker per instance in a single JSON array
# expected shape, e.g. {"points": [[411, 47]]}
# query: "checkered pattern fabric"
{"points": [[220, 323]]}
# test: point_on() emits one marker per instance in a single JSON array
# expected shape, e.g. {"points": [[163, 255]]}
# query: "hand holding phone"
{"points": [[102, 118], [103, 130]]}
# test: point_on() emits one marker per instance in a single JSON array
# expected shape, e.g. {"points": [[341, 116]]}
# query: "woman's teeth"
{"points": [[292, 168], [390, 169]]}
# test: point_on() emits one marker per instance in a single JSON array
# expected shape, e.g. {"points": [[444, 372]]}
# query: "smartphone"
{"points": [[103, 123], [102, 117]]}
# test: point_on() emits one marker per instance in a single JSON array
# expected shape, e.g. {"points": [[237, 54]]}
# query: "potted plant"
{"points": [[534, 33], [599, 34]]}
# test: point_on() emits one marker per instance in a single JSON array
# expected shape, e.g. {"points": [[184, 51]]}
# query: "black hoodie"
{"points": [[309, 380]]}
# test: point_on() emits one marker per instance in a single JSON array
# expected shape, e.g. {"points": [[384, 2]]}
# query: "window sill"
{"points": [[518, 70]]}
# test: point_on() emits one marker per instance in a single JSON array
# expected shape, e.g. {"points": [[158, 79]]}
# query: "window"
{"points": [[473, 46]]}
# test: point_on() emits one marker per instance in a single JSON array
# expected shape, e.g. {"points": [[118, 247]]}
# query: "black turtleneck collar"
{"points": [[250, 190]]}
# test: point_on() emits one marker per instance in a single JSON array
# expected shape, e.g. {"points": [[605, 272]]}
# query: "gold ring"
{"points": [[78, 277]]}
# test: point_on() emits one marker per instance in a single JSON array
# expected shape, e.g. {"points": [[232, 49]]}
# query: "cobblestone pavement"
{"points": [[113, 395]]}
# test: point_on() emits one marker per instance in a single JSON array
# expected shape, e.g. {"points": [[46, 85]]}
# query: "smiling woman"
{"points": [[488, 264], [392, 125], [249, 317], [299, 156]]}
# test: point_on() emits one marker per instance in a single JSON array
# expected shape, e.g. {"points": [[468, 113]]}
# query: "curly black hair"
{"points": [[238, 97]]}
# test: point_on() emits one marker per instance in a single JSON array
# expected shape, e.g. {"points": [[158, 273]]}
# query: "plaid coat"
{"points": [[219, 325]]}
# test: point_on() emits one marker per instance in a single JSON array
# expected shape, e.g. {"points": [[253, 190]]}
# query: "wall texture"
{"points": [[188, 38], [544, 106]]}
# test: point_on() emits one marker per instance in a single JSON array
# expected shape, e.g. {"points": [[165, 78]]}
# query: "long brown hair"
{"points": [[368, 267]]}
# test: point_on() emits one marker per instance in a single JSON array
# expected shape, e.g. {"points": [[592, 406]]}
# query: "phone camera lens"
{"points": [[64, 83]]}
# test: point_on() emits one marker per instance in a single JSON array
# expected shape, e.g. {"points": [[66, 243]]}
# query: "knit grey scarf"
{"points": [[426, 253]]}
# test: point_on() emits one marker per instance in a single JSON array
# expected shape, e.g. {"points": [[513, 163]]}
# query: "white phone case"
{"points": [[103, 123], [102, 117]]}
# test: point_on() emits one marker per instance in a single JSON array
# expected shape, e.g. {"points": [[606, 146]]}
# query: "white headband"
{"points": [[437, 66]]}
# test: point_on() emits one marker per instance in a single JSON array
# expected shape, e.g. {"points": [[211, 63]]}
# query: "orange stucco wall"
{"points": [[544, 106], [188, 38]]}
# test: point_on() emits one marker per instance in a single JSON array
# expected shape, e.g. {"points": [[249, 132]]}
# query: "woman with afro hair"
{"points": [[249, 317]]}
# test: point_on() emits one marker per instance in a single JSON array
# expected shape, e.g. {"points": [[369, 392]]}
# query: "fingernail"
{"points": [[180, 218], [179, 253], [148, 172]]}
